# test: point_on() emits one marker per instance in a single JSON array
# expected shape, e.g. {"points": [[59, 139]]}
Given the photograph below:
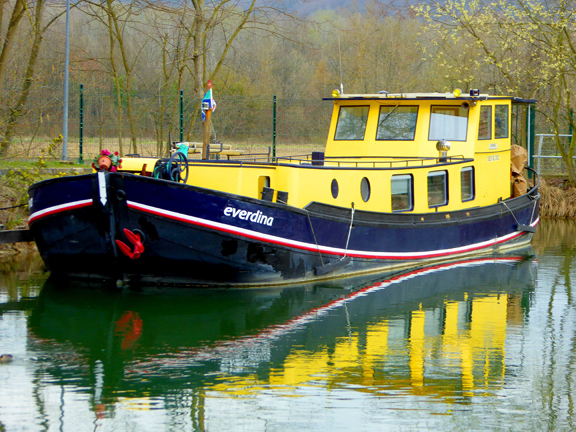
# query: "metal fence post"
{"points": [[66, 79], [81, 122], [530, 125], [181, 116], [274, 129], [539, 153]]}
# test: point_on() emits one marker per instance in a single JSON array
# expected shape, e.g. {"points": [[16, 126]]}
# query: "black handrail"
{"points": [[536, 175]]}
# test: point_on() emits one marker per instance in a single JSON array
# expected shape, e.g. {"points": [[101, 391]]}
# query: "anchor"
{"points": [[136, 239]]}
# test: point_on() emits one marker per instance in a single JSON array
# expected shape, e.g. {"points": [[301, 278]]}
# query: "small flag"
{"points": [[208, 102]]}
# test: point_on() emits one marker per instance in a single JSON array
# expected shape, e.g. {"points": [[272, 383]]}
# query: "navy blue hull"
{"points": [[204, 237]]}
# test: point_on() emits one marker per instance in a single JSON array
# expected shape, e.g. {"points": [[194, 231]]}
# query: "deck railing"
{"points": [[371, 161]]}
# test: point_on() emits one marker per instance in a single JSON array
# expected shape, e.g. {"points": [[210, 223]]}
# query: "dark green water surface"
{"points": [[487, 343]]}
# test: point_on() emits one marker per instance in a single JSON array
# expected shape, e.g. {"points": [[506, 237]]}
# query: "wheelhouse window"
{"points": [[397, 123], [437, 188], [401, 188], [485, 123], [467, 183], [501, 127], [448, 123], [351, 123]]}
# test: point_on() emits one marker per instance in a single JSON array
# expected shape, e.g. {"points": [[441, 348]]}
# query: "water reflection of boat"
{"points": [[391, 333]]}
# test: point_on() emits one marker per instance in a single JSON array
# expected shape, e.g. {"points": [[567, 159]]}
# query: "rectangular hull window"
{"points": [[467, 183], [501, 127], [397, 123], [351, 123], [401, 188], [437, 188], [449, 123]]}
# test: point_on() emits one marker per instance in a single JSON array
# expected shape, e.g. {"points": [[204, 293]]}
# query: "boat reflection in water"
{"points": [[437, 331]]}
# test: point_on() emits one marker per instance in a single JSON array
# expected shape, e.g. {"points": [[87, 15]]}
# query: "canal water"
{"points": [[487, 343]]}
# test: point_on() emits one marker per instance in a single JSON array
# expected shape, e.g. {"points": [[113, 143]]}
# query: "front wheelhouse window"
{"points": [[351, 123]]}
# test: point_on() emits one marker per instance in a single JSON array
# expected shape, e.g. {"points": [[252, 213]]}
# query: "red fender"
{"points": [[136, 240]]}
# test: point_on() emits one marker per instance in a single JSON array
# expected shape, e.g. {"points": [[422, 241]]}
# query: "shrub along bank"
{"points": [[558, 199]]}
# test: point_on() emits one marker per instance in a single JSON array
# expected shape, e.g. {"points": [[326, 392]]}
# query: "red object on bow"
{"points": [[136, 240]]}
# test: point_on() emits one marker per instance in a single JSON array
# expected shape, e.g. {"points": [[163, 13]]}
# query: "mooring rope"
{"points": [[349, 231], [535, 198], [314, 235], [513, 215], [316, 241], [16, 206]]}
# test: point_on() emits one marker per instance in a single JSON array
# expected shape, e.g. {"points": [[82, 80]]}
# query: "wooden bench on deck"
{"points": [[135, 164], [216, 150]]}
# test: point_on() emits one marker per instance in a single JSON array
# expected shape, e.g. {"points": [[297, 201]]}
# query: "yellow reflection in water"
{"points": [[464, 340], [488, 334], [137, 404], [346, 353], [376, 349], [417, 348], [239, 385], [300, 367]]}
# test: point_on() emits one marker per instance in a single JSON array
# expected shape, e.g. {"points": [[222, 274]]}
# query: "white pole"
{"points": [[66, 67]]}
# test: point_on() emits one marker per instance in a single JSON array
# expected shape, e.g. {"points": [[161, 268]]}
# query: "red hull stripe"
{"points": [[324, 249], [59, 208]]}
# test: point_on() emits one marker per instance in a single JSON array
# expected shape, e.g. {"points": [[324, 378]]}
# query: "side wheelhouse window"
{"points": [[448, 123], [351, 123], [437, 188], [485, 123], [401, 188], [467, 183], [501, 127]]}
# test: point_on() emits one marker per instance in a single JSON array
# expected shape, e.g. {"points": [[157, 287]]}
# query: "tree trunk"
{"points": [[198, 37], [17, 14], [568, 159], [117, 85], [128, 85], [17, 111]]}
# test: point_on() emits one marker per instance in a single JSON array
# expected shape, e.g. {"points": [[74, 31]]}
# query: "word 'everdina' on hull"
{"points": [[405, 179]]}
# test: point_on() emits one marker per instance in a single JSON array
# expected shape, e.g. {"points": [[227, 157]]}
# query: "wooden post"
{"points": [[206, 141], [207, 109]]}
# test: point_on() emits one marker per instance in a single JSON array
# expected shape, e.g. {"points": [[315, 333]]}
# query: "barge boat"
{"points": [[405, 180]]}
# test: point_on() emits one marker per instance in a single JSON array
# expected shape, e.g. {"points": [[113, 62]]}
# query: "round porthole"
{"points": [[334, 188], [365, 189]]}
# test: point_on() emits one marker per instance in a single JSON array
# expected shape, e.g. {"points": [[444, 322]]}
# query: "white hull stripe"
{"points": [[324, 249], [59, 208]]}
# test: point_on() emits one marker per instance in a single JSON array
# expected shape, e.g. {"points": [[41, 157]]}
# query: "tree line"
{"points": [[259, 48]]}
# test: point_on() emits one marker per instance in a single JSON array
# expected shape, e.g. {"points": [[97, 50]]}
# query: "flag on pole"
{"points": [[208, 102]]}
